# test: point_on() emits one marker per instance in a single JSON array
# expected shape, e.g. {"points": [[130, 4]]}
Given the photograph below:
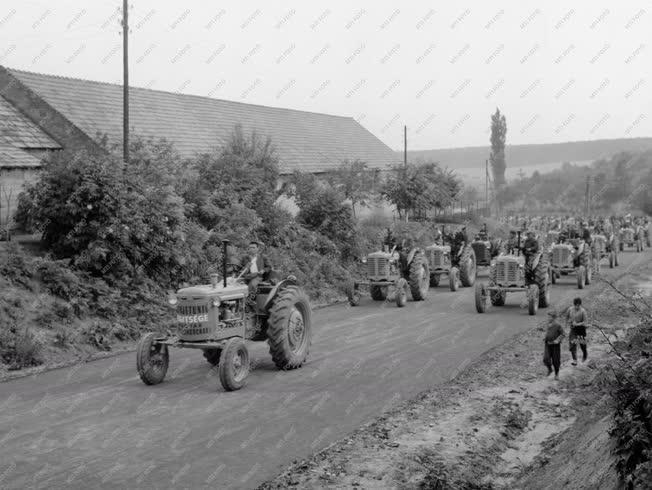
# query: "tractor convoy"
{"points": [[220, 317]]}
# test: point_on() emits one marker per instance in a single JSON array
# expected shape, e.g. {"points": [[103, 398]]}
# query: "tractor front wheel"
{"points": [[533, 299], [480, 298], [454, 279], [289, 328], [581, 277], [152, 359], [401, 293], [234, 364], [553, 276]]}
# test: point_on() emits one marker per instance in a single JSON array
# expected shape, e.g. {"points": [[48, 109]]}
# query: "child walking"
{"points": [[552, 341]]}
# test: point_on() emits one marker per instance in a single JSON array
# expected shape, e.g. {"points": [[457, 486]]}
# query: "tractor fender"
{"points": [[411, 255], [275, 290]]}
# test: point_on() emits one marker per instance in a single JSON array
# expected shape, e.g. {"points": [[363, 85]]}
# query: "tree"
{"points": [[497, 156], [420, 187], [355, 181]]}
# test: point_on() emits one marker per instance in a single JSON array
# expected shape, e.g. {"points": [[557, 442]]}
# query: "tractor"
{"points": [[629, 238], [486, 250], [392, 273], [509, 273], [573, 257], [601, 249], [460, 269], [217, 318]]}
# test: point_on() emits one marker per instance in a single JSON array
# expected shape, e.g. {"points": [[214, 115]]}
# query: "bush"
{"points": [[20, 348]]}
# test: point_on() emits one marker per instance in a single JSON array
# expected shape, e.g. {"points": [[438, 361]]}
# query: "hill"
{"points": [[526, 155]]}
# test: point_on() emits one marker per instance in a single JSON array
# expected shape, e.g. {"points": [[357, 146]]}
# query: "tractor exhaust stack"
{"points": [[225, 251]]}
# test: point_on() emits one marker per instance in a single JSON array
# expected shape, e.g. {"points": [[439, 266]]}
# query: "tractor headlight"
{"points": [[364, 260], [216, 302], [172, 299]]}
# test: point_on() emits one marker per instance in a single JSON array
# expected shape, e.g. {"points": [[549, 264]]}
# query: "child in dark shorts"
{"points": [[552, 343]]}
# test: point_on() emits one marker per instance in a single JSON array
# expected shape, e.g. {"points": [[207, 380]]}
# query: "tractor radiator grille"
{"points": [[377, 266], [506, 272], [560, 256], [436, 259], [188, 310]]}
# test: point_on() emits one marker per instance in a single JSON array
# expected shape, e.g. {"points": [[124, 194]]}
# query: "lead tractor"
{"points": [[629, 238], [392, 273], [571, 258], [509, 273], [460, 269], [218, 318]]}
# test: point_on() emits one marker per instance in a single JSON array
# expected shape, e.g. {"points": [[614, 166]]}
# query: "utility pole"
{"points": [[125, 83], [405, 167], [587, 196], [486, 185]]}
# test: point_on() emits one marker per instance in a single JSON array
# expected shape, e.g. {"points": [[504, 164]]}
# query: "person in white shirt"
{"points": [[256, 267]]}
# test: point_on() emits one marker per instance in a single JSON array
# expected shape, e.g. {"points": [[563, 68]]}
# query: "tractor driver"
{"points": [[460, 239], [256, 267], [530, 252]]}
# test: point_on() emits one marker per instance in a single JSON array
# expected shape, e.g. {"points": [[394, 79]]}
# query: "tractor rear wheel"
{"points": [[234, 364], [468, 269], [213, 356], [289, 328], [533, 299], [480, 298], [581, 277], [541, 277], [434, 280], [453, 278], [152, 359], [419, 277], [378, 293]]}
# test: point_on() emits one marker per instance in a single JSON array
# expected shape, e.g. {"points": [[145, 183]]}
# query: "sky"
{"points": [[558, 70]]}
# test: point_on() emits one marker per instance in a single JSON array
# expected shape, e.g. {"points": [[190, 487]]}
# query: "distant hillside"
{"points": [[526, 155]]}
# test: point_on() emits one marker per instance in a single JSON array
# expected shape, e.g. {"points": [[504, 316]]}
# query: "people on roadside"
{"points": [[577, 318], [552, 343]]}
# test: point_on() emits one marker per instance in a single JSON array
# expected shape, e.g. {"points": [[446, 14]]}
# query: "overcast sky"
{"points": [[559, 70]]}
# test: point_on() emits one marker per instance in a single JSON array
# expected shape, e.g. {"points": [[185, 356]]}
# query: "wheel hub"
{"points": [[296, 329]]}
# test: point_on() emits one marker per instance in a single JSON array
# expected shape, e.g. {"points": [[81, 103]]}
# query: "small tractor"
{"points": [[392, 273], [601, 249], [629, 238], [509, 273], [574, 257], [485, 250], [461, 269], [218, 318]]}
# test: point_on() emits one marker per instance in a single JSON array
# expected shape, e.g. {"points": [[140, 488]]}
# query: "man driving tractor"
{"points": [[531, 251], [254, 268]]}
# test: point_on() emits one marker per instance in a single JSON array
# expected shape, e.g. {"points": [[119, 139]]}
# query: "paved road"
{"points": [[97, 426]]}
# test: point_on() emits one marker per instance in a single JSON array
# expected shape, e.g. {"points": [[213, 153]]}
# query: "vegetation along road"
{"points": [[96, 425]]}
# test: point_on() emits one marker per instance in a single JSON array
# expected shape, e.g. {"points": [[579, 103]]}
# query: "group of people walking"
{"points": [[577, 320]]}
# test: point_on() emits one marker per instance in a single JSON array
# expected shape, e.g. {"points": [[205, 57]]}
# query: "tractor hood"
{"points": [[231, 291], [563, 245], [382, 255], [511, 258], [443, 248]]}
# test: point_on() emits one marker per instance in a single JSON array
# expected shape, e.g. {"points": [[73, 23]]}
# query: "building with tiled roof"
{"points": [[41, 113]]}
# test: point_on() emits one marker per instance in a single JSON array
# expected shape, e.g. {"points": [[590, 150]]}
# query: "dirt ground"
{"points": [[502, 423]]}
